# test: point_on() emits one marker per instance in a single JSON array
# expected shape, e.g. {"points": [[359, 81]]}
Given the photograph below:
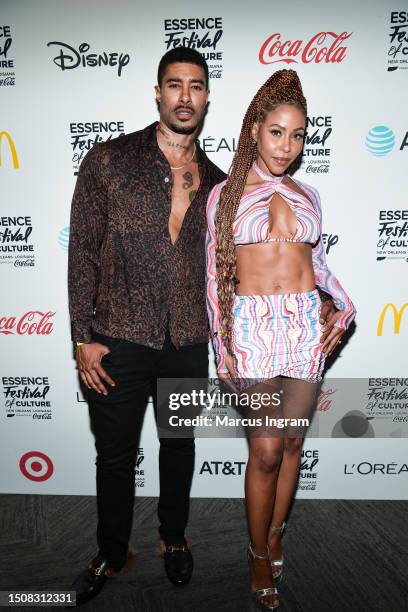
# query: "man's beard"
{"points": [[183, 129]]}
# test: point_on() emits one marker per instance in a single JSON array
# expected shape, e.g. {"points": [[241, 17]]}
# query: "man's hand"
{"points": [[88, 357], [230, 376]]}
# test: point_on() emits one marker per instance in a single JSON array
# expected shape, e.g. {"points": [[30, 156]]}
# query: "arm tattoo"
{"points": [[188, 177]]}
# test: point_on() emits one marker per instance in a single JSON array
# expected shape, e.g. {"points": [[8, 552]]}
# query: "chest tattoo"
{"points": [[188, 180]]}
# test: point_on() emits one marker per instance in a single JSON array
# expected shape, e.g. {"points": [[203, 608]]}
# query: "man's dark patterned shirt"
{"points": [[126, 279]]}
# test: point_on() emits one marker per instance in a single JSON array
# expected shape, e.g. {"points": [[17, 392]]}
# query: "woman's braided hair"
{"points": [[283, 87]]}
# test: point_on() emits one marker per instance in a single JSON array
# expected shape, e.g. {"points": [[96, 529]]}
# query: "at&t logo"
{"points": [[226, 468], [63, 238], [36, 466], [380, 140]]}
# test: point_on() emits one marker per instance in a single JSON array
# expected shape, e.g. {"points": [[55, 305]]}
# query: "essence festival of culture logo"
{"points": [[69, 58], [27, 396], [85, 135], [63, 238], [16, 246], [398, 41], [202, 34], [31, 323], [316, 155], [327, 47], [36, 466], [387, 399], [5, 137], [7, 74], [308, 474], [140, 479], [392, 230], [396, 317]]}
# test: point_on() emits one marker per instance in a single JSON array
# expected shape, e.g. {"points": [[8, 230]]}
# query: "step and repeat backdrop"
{"points": [[73, 74]]}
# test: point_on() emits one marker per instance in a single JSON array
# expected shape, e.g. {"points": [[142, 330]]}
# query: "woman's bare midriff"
{"points": [[272, 268]]}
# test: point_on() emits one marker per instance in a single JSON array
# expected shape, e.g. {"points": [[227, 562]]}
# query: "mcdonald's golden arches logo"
{"points": [[397, 315], [12, 148]]}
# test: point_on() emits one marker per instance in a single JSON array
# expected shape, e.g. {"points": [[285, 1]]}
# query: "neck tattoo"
{"points": [[170, 143]]}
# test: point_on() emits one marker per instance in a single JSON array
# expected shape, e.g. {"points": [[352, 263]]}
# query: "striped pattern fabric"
{"points": [[278, 335], [252, 225]]}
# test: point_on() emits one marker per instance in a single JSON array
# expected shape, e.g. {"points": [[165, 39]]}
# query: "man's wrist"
{"points": [[79, 343]]}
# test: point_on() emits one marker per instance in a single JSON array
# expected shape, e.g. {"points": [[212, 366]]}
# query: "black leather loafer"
{"points": [[90, 582], [179, 564]]}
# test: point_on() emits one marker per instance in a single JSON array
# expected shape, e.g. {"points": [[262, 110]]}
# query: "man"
{"points": [[137, 306]]}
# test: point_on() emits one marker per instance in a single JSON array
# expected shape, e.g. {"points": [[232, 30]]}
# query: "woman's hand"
{"points": [[331, 336], [229, 377]]}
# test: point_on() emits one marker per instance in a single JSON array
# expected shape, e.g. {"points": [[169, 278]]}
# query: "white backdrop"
{"points": [[355, 154]]}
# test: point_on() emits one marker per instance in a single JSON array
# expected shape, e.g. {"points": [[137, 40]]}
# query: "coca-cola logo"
{"points": [[325, 47], [325, 400], [33, 322]]}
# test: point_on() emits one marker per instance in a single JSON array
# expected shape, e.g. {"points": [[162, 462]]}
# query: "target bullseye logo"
{"points": [[36, 466]]}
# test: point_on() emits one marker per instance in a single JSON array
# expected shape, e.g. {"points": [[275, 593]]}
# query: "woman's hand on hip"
{"points": [[229, 377], [331, 336]]}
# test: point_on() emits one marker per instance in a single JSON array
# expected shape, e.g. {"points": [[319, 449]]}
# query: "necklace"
{"points": [[186, 164]]}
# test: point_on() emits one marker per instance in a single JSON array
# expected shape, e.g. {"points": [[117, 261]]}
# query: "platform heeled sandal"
{"points": [[277, 563], [259, 594]]}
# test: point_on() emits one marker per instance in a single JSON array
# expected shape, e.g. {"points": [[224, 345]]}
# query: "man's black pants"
{"points": [[116, 421]]}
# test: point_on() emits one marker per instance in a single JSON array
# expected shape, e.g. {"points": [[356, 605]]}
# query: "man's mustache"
{"points": [[188, 108]]}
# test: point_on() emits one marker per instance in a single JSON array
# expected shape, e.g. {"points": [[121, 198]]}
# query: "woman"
{"points": [[264, 259]]}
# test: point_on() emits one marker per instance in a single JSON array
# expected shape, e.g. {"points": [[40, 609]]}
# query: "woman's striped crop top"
{"points": [[251, 226]]}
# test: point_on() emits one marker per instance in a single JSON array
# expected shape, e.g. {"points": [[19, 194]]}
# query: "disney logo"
{"points": [[68, 58]]}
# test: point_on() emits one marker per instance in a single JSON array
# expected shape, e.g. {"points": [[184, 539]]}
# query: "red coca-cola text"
{"points": [[33, 322], [324, 46], [324, 403]]}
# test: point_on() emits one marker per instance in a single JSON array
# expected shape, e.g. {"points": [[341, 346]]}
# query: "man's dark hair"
{"points": [[182, 54]]}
